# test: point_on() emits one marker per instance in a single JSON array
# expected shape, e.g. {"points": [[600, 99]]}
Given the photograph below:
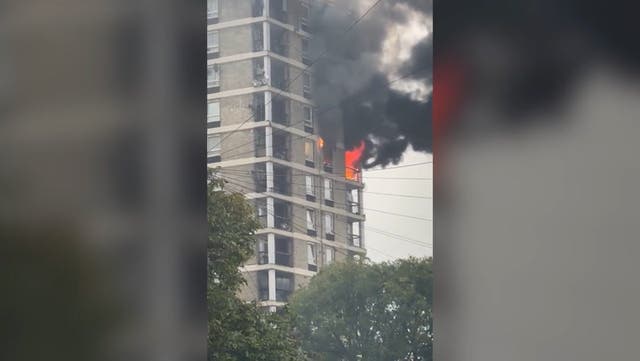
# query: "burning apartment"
{"points": [[264, 137]]}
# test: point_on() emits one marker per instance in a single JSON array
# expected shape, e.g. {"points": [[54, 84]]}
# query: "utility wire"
{"points": [[345, 189]]}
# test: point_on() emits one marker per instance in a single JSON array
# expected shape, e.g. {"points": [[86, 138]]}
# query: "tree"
{"points": [[237, 330], [364, 311]]}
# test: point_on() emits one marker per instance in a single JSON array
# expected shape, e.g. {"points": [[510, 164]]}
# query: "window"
{"points": [[306, 85], [304, 17], [213, 42], [353, 234], [263, 285], [309, 152], [213, 76], [329, 255], [328, 223], [283, 251], [312, 257], [284, 5], [213, 145], [353, 201], [213, 112], [306, 55], [284, 286], [310, 185], [311, 220], [307, 117], [311, 253], [263, 251], [328, 189], [212, 9]]}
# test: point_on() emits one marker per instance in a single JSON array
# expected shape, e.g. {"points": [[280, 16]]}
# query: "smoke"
{"points": [[381, 99]]}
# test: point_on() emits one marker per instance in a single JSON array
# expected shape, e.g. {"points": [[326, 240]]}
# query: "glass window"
{"points": [[263, 253], [311, 254], [310, 186], [213, 145], [263, 285], [311, 219], [328, 223], [306, 80], [213, 41], [309, 150], [213, 112], [329, 255], [213, 75], [328, 189], [212, 8], [308, 116]]}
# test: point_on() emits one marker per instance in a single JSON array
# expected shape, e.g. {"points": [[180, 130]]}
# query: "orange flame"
{"points": [[320, 143], [352, 162]]}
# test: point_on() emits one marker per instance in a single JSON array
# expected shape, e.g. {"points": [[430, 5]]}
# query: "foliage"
{"points": [[238, 330], [363, 311]]}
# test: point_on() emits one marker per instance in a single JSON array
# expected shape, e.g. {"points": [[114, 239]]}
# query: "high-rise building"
{"points": [[263, 136]]}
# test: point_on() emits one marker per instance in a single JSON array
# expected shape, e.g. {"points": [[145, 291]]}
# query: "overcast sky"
{"points": [[402, 236]]}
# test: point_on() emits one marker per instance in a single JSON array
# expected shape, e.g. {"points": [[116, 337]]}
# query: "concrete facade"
{"points": [[263, 138]]}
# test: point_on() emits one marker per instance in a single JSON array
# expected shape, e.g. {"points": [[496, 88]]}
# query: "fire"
{"points": [[320, 143], [352, 162]]}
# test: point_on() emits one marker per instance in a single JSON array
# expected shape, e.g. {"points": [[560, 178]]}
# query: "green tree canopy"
{"points": [[238, 331], [363, 311]]}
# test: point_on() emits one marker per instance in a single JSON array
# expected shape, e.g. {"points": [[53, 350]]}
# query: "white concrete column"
{"points": [[266, 36], [268, 135], [272, 285], [271, 248], [266, 10], [270, 213]]}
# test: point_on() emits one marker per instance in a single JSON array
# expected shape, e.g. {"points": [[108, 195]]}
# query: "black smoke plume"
{"points": [[352, 92]]}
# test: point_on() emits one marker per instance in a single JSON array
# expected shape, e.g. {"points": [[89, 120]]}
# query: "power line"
{"points": [[401, 237], [397, 195], [398, 214], [345, 189], [400, 166]]}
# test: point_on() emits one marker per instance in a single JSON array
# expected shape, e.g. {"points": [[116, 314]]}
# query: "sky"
{"points": [[403, 236]]}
